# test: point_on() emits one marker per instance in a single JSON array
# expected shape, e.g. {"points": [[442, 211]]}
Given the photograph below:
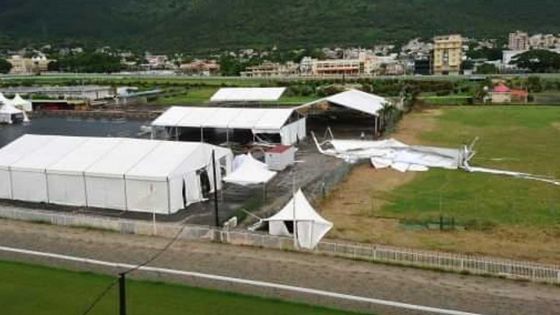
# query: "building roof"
{"points": [[501, 88], [247, 94], [258, 119]]}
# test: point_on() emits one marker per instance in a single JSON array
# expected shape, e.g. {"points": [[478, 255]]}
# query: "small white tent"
{"points": [[9, 114], [249, 171], [22, 104], [310, 226]]}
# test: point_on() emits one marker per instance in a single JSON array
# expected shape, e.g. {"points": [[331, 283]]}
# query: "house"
{"points": [[501, 94]]}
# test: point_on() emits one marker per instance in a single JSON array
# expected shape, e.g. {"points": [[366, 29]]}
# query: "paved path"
{"points": [[451, 291]]}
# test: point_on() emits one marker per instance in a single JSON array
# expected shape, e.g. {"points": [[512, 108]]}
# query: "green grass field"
{"points": [[202, 95], [525, 139], [28, 289]]}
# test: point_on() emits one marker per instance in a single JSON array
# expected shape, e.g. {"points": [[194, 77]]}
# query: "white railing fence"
{"points": [[480, 265]]}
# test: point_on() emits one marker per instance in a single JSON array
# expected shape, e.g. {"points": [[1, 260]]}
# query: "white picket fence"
{"points": [[480, 265]]}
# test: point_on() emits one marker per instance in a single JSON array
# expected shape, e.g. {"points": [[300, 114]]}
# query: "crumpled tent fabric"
{"points": [[311, 227], [397, 155], [249, 171]]}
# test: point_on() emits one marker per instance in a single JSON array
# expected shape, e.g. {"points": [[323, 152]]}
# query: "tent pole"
{"points": [[201, 134], [227, 136], [294, 209], [217, 222]]}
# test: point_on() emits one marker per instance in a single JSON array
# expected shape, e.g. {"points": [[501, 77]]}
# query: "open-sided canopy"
{"points": [[257, 119], [360, 101], [249, 171], [311, 227], [247, 94]]}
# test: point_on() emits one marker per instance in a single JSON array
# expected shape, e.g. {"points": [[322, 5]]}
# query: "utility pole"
{"points": [[216, 212], [122, 294]]}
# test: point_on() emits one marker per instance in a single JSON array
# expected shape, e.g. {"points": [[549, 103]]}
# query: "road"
{"points": [[422, 287]]}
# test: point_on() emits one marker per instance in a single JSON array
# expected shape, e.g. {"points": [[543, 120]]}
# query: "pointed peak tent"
{"points": [[311, 227], [22, 104]]}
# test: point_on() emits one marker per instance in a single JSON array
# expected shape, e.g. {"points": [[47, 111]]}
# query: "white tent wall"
{"points": [[293, 132], [11, 153], [29, 178], [5, 184], [106, 192], [148, 196], [66, 189]]}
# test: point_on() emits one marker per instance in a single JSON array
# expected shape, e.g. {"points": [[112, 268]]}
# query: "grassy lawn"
{"points": [[525, 139], [202, 95], [28, 289], [494, 215]]}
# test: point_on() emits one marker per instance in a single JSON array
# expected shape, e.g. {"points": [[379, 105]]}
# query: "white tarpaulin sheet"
{"points": [[247, 94], [113, 173], [310, 226], [249, 171]]}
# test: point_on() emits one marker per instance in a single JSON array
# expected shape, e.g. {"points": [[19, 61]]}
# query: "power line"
{"points": [[155, 256], [99, 297]]}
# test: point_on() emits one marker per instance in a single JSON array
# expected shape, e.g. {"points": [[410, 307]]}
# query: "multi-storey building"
{"points": [[448, 54], [518, 41]]}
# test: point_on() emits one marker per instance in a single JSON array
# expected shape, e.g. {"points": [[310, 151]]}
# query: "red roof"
{"points": [[519, 93], [501, 88], [279, 149]]}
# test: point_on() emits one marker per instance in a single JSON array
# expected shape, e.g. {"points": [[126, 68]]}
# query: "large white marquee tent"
{"points": [[259, 120], [114, 173]]}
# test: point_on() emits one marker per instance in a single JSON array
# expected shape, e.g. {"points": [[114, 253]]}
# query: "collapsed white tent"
{"points": [[249, 171], [114, 173], [310, 226], [280, 121], [395, 154], [247, 94]]}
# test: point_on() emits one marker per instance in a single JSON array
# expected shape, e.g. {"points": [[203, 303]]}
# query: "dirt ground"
{"points": [[355, 213], [459, 292]]}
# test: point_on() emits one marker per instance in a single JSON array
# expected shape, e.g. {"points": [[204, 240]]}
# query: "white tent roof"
{"points": [[247, 94], [249, 171], [15, 150], [168, 157], [111, 157], [303, 211], [358, 100], [89, 152], [3, 99], [7, 107], [217, 117], [118, 161], [48, 154], [18, 100]]}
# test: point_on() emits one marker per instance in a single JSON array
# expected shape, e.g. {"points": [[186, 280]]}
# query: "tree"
{"points": [[5, 66], [538, 61], [487, 68]]}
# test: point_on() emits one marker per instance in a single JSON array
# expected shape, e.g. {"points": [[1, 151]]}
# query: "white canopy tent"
{"points": [[115, 173], [310, 227], [258, 120], [9, 114], [249, 171], [22, 104], [247, 94]]}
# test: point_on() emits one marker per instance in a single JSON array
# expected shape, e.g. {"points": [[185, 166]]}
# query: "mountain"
{"points": [[166, 25]]}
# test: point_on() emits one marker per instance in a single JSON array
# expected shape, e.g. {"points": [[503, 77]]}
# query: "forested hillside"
{"points": [[165, 25]]}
